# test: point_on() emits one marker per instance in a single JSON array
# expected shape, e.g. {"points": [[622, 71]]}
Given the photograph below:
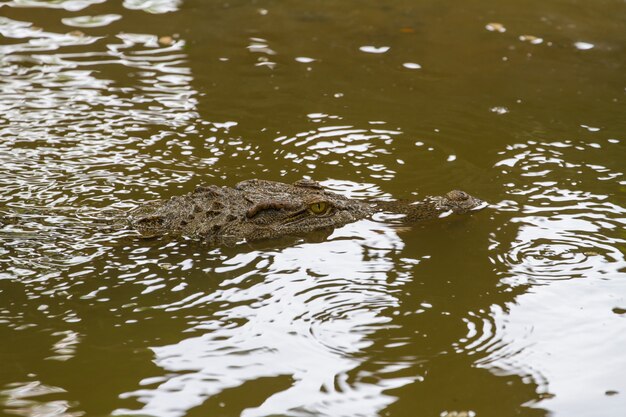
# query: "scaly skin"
{"points": [[258, 209]]}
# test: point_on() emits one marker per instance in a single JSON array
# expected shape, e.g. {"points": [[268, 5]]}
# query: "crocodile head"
{"points": [[259, 209], [252, 210], [276, 209], [458, 202]]}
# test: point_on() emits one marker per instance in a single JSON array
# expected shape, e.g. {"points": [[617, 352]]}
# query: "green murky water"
{"points": [[516, 310]]}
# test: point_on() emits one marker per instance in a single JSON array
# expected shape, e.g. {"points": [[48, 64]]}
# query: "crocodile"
{"points": [[259, 209]]}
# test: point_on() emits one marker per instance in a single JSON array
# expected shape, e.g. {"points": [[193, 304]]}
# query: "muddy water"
{"points": [[517, 310]]}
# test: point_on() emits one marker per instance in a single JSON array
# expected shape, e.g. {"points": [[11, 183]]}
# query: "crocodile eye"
{"points": [[320, 207]]}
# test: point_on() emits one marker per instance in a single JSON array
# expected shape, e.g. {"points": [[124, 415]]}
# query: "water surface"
{"points": [[517, 310]]}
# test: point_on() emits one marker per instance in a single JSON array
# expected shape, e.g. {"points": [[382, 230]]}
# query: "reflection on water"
{"points": [[566, 225], [516, 310], [20, 399], [341, 146], [303, 313], [570, 227], [75, 142]]}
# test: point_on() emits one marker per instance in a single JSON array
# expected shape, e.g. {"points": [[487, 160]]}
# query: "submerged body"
{"points": [[259, 209]]}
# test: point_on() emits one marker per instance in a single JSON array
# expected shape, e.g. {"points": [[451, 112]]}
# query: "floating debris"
{"points": [[374, 50], [411, 65], [166, 40], [583, 46], [499, 110], [531, 39], [495, 27]]}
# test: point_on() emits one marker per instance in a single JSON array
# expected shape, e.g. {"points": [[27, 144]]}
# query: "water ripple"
{"points": [[74, 140], [22, 399], [69, 5], [340, 145], [561, 232], [305, 311]]}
